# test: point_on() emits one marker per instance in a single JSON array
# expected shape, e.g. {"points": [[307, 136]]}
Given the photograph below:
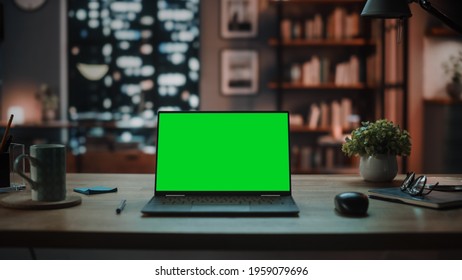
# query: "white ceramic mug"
{"points": [[47, 171]]}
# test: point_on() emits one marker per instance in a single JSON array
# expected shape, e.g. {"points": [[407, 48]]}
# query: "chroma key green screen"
{"points": [[223, 151]]}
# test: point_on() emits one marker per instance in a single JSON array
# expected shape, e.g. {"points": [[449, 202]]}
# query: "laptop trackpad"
{"points": [[220, 208]]}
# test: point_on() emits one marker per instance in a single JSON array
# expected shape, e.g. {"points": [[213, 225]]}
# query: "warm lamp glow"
{"points": [[18, 113], [93, 72]]}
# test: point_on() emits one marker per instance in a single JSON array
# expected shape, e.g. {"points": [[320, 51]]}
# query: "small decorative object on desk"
{"points": [[378, 143], [453, 67], [50, 103]]}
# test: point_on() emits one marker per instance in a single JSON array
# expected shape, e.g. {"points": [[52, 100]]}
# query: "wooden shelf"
{"points": [[128, 161], [324, 130], [443, 32], [306, 129], [329, 2], [82, 124], [52, 124], [354, 42], [330, 86], [442, 101], [335, 170], [113, 125]]}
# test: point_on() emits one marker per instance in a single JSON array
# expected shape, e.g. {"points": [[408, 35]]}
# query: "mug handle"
{"points": [[32, 161]]}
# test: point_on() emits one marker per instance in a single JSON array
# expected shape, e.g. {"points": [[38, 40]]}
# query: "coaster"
{"points": [[23, 201]]}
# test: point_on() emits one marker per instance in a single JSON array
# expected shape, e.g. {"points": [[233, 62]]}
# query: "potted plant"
{"points": [[378, 144], [453, 68]]}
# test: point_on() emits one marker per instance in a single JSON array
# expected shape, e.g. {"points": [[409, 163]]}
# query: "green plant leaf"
{"points": [[379, 137]]}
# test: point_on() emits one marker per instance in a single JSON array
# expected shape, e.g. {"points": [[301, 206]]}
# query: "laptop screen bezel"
{"points": [[163, 193]]}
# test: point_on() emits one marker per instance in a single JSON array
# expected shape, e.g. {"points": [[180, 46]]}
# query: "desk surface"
{"points": [[94, 223]]}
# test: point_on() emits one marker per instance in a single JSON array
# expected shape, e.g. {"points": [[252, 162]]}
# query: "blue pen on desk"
{"points": [[121, 206]]}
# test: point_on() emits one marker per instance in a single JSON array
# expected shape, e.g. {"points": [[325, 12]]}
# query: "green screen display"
{"points": [[223, 151]]}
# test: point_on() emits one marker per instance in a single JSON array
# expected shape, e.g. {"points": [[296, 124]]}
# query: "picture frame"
{"points": [[239, 18], [239, 72]]}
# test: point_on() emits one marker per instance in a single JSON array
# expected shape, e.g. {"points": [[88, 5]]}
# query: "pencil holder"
{"points": [[16, 150], [4, 170]]}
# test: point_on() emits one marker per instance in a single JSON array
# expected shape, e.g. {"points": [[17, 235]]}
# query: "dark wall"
{"points": [[452, 8], [30, 48]]}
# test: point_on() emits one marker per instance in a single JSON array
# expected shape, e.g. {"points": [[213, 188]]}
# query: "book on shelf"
{"points": [[286, 29], [311, 72], [371, 71], [315, 113], [296, 119], [347, 73], [325, 118], [346, 111], [341, 25], [314, 27], [316, 71], [325, 70], [338, 22], [336, 116], [337, 25], [352, 25]]}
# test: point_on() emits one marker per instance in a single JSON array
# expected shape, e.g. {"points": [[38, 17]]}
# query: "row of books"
{"points": [[317, 71], [339, 24], [336, 115]]}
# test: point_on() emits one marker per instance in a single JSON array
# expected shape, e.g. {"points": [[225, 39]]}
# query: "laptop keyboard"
{"points": [[207, 200]]}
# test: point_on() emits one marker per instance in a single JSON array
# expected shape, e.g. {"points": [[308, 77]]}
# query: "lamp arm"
{"points": [[427, 6]]}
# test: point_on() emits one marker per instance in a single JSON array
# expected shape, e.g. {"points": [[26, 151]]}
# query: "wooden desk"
{"points": [[94, 223]]}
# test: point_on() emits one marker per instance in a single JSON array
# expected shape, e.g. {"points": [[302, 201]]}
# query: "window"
{"points": [[129, 59]]}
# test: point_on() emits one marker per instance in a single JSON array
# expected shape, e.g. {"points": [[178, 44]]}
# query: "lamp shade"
{"points": [[386, 9]]}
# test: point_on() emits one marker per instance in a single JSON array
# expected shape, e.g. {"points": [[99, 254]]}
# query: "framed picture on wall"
{"points": [[239, 18], [239, 72]]}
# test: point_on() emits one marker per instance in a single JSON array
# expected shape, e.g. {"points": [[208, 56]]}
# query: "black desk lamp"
{"points": [[400, 9]]}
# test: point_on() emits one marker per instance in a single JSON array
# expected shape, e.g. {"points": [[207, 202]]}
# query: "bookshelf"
{"points": [[349, 42], [324, 86], [327, 77], [443, 32]]}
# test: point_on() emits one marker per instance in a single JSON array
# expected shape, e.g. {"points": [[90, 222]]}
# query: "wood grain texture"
{"points": [[22, 200], [94, 223]]}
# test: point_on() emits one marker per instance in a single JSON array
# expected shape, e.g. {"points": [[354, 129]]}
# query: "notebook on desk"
{"points": [[436, 199], [233, 163]]}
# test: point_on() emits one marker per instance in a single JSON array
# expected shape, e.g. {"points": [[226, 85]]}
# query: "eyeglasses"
{"points": [[416, 186]]}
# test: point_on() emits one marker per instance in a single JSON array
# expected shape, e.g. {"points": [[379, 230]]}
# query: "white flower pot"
{"points": [[454, 90], [378, 168]]}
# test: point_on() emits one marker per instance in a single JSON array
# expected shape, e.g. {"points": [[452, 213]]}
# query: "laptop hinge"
{"points": [[175, 195], [270, 195]]}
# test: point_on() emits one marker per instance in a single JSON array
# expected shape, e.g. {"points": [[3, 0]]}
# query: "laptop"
{"points": [[222, 163]]}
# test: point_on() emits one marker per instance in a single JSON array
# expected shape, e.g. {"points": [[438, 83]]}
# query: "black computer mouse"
{"points": [[352, 203]]}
